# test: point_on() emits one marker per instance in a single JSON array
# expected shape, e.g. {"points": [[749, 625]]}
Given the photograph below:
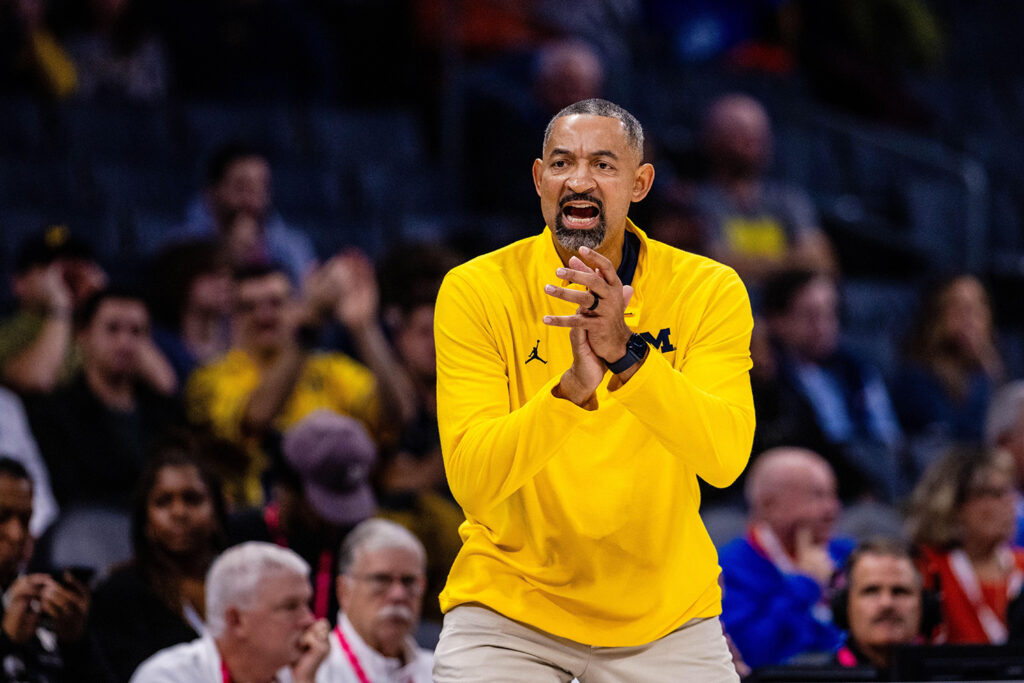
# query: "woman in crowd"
{"points": [[951, 369], [961, 522], [158, 600]]}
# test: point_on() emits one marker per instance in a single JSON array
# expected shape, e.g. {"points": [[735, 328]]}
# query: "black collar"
{"points": [[630, 256]]}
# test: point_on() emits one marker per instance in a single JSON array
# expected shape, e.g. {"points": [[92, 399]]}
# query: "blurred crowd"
{"points": [[245, 382]]}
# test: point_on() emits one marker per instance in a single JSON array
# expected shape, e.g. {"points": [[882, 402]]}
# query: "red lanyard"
{"points": [[353, 660], [322, 585], [225, 675]]}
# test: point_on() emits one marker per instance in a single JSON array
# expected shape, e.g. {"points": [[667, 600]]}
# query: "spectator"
{"points": [[271, 378], [95, 432], [777, 579], [563, 71], [117, 56], [819, 395], [54, 274], [259, 627], [238, 183], [42, 617], [411, 481], [320, 491], [962, 520], [380, 589], [1004, 428], [756, 225], [18, 443], [952, 368], [158, 599], [884, 605], [31, 58], [190, 297]]}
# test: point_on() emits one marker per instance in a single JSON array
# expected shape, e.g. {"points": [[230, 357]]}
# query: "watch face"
{"points": [[637, 345]]}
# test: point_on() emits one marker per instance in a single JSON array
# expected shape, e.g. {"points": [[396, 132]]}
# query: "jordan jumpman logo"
{"points": [[534, 355]]}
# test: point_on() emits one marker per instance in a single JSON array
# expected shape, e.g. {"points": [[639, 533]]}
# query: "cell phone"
{"points": [[83, 574]]}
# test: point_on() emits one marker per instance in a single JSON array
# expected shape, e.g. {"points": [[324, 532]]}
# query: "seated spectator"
{"points": [[95, 432], [18, 443], [272, 377], [756, 225], [42, 617], [259, 626], [190, 298], [238, 183], [413, 490], [1004, 428], [961, 521], [32, 60], [884, 605], [952, 369], [816, 394], [320, 491], [380, 589], [158, 599], [777, 579], [54, 274], [117, 56]]}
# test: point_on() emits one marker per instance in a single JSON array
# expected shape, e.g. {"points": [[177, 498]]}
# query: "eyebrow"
{"points": [[599, 153]]}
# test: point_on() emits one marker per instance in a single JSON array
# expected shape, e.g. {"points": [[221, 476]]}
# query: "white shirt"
{"points": [[16, 441], [378, 669], [195, 662]]}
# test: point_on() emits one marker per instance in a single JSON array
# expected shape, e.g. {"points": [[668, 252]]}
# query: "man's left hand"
{"points": [[607, 332]]}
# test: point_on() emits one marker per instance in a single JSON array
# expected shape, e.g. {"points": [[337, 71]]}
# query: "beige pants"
{"points": [[478, 644]]}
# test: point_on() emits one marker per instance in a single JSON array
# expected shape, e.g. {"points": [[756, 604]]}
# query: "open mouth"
{"points": [[580, 215]]}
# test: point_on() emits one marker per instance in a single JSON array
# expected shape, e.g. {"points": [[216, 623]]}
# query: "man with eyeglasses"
{"points": [[382, 575]]}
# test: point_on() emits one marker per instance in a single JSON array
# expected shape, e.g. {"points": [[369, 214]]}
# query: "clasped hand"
{"points": [[597, 333]]}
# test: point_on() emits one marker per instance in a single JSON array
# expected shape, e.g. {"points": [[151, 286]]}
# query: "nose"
{"points": [[582, 180], [307, 617]]}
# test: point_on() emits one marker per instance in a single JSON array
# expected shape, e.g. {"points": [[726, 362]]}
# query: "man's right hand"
{"points": [[812, 557], [24, 607]]}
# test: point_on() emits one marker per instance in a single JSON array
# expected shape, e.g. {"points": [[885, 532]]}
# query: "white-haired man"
{"points": [[382, 575], [1004, 428], [259, 625]]}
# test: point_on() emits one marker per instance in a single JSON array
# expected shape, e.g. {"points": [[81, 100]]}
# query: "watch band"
{"points": [[636, 347]]}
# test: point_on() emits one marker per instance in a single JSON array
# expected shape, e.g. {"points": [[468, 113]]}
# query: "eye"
{"points": [[558, 163]]}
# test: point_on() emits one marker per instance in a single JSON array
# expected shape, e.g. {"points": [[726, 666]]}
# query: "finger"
{"points": [[574, 296], [803, 538], [627, 294], [590, 280], [598, 261], [578, 264], [566, 320]]}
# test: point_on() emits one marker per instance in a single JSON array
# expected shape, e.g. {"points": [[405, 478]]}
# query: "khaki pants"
{"points": [[478, 644]]}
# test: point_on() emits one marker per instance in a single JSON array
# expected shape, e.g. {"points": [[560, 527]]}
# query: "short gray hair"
{"points": [[235, 577], [599, 107], [377, 534], [1004, 413]]}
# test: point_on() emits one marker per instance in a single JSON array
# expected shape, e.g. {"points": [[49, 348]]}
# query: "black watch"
{"points": [[636, 348]]}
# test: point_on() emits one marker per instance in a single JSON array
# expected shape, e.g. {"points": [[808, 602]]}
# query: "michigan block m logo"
{"points": [[662, 341]]}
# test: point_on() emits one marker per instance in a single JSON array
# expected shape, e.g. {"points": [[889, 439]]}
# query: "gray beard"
{"points": [[572, 240]]}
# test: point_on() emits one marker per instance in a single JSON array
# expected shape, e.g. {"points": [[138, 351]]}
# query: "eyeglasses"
{"points": [[379, 584]]}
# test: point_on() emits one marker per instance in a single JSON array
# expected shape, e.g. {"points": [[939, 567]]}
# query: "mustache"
{"points": [[888, 615], [401, 612], [578, 197]]}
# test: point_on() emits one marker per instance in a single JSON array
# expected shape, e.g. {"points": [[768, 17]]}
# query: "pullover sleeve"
{"points": [[703, 412], [490, 450]]}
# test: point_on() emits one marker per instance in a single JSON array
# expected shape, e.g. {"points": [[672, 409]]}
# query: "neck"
{"points": [[116, 392], [203, 335], [981, 550], [242, 665], [610, 248]]}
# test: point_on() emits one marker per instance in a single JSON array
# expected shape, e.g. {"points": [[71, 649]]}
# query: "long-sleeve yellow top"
{"points": [[585, 523]]}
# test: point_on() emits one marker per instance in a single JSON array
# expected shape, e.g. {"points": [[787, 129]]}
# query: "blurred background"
{"points": [[387, 121]]}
